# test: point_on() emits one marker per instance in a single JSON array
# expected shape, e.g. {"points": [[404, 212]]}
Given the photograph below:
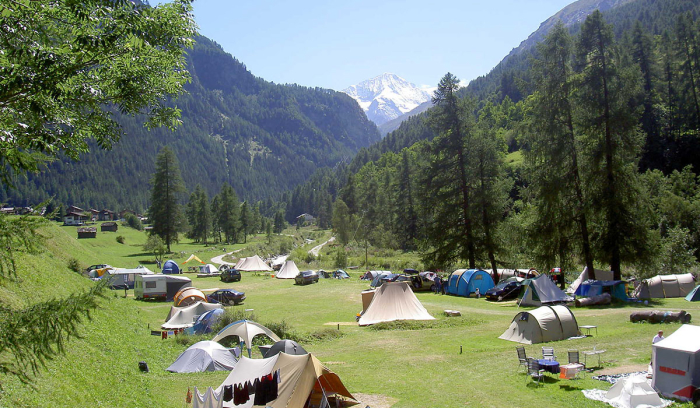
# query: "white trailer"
{"points": [[159, 286]]}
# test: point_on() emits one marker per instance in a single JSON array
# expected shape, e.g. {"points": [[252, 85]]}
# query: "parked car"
{"points": [[229, 274], [306, 277], [98, 266], [507, 289], [226, 297]]}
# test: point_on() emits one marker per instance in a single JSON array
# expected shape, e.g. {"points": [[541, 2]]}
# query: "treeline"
{"points": [[600, 163]]}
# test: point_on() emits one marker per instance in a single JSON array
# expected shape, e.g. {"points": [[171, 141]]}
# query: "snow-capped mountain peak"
{"points": [[387, 97]]}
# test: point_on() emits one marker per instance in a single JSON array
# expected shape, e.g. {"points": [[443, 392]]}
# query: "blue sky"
{"points": [[335, 44]]}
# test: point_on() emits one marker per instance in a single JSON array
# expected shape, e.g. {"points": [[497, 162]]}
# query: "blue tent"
{"points": [[464, 282], [170, 267], [205, 322], [596, 287], [694, 295]]}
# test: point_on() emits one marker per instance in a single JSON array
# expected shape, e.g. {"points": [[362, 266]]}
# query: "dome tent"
{"points": [[188, 296], [203, 356], [546, 323], [170, 267], [464, 282]]}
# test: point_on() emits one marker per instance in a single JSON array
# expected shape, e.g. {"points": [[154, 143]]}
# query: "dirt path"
{"points": [[315, 250], [219, 259]]}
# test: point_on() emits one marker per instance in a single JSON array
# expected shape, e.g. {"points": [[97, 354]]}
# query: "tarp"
{"points": [[540, 291], [288, 271], [394, 301], [598, 274], [181, 317], [203, 356], [677, 363], [300, 376], [665, 286], [188, 296], [193, 257], [209, 399], [205, 322], [465, 282], [546, 323], [694, 295], [285, 346], [170, 267], [253, 263], [632, 392], [617, 289], [245, 330], [367, 296]]}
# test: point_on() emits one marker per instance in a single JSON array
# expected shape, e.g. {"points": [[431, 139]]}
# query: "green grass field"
{"points": [[451, 362]]}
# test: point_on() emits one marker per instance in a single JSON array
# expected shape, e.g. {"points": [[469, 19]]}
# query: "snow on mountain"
{"points": [[387, 97]]}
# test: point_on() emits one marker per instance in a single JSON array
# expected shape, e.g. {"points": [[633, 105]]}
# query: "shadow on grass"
{"points": [[568, 387]]}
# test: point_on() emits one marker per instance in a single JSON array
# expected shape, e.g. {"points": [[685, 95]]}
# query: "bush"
{"points": [[121, 239], [74, 265], [133, 221]]}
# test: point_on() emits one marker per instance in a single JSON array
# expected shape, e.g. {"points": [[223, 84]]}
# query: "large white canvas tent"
{"points": [[677, 363], [394, 301], [598, 274], [302, 378], [288, 271], [633, 392], [181, 317], [546, 323], [204, 356], [541, 291], [253, 263], [665, 286], [245, 330]]}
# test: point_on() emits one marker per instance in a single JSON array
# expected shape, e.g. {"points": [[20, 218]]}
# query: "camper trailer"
{"points": [[159, 286]]}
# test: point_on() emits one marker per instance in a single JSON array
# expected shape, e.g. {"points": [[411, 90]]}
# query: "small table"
{"points": [[592, 353], [550, 366], [588, 329]]}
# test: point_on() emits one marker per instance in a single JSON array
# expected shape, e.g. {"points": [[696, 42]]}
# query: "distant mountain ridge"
{"points": [[387, 97]]}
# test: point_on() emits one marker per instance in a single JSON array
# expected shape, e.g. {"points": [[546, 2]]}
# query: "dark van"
{"points": [[230, 274]]}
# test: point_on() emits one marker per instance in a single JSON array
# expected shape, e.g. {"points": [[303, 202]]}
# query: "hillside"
{"points": [[261, 137]]}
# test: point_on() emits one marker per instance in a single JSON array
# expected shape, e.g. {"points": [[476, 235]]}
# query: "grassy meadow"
{"points": [[449, 362]]}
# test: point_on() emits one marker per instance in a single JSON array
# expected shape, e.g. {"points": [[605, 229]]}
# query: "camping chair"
{"points": [[522, 358], [574, 359], [534, 371], [548, 353]]}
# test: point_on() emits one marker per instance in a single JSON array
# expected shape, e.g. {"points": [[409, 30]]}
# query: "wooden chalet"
{"points": [[109, 226], [87, 232]]}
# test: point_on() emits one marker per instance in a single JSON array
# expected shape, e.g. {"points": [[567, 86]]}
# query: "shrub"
{"points": [[133, 221], [74, 265], [121, 239]]}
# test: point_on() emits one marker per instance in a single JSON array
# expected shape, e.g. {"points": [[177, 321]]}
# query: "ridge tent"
{"points": [[694, 295], [616, 289], [170, 267], [245, 330], [181, 317], [253, 263], [290, 347], [204, 323], [464, 282], [677, 363], [665, 286], [188, 296], [394, 301], [302, 378], [288, 271], [204, 356], [546, 323], [541, 290], [193, 257], [599, 274]]}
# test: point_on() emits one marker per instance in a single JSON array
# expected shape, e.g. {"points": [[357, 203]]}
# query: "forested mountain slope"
{"points": [[258, 136]]}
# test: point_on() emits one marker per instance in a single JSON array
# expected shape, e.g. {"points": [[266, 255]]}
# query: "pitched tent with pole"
{"points": [[288, 271], [170, 267], [677, 363], [253, 263], [599, 274], [193, 257], [188, 296], [302, 378], [546, 323], [665, 286], [394, 301], [694, 295], [245, 330], [181, 317], [203, 356], [465, 282], [541, 291]]}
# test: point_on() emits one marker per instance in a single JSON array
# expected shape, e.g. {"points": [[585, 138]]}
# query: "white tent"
{"points": [[394, 301], [181, 317], [541, 290], [546, 323], [252, 263], [245, 330], [239, 263], [677, 363], [204, 356], [288, 271], [633, 392], [302, 377], [598, 274], [208, 269]]}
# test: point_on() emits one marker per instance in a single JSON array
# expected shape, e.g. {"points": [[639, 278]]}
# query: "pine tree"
{"points": [[165, 212], [229, 212]]}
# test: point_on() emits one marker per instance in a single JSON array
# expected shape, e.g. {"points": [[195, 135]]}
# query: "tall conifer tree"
{"points": [[165, 212]]}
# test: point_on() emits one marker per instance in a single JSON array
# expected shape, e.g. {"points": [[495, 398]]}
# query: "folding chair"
{"points": [[548, 353], [534, 370], [522, 358], [574, 359]]}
